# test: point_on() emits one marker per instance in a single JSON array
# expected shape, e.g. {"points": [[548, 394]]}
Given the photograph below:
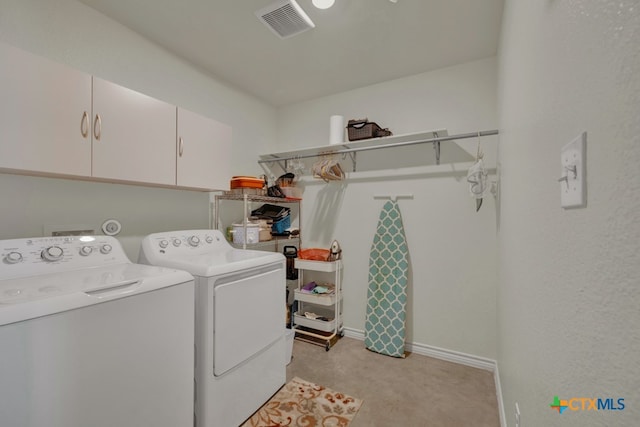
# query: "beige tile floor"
{"points": [[415, 391]]}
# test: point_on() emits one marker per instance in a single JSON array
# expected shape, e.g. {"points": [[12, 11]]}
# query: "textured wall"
{"points": [[568, 307]]}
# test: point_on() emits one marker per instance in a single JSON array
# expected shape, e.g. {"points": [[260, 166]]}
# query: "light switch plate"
{"points": [[573, 178]]}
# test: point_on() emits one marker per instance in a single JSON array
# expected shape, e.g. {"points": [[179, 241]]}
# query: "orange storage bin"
{"points": [[314, 254], [246, 182]]}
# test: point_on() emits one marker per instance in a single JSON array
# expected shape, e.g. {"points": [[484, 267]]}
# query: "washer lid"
{"points": [[36, 296]]}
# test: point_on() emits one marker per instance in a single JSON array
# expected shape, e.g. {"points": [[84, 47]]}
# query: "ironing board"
{"points": [[387, 292]]}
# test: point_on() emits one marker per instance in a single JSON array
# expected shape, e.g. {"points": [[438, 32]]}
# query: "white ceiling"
{"points": [[355, 43]]}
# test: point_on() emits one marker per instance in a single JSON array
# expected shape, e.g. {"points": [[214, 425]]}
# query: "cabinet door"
{"points": [[45, 113], [203, 152], [133, 135]]}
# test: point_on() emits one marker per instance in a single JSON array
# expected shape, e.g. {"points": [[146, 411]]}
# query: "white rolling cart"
{"points": [[328, 307]]}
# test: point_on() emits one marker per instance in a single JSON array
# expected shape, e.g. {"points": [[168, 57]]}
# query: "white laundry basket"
{"points": [[288, 337]]}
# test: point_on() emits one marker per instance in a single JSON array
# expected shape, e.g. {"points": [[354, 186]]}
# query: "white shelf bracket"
{"points": [[353, 160], [436, 147]]}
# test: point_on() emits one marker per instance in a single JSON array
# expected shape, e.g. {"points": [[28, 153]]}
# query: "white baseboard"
{"points": [[450, 356], [436, 352]]}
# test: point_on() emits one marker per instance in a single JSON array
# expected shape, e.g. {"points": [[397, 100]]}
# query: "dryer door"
{"points": [[249, 314]]}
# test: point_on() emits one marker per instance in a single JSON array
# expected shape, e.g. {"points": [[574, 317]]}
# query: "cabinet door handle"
{"points": [[97, 127], [180, 146], [84, 125]]}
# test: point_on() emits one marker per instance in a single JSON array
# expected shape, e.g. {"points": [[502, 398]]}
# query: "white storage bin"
{"points": [[328, 266], [253, 233], [320, 299], [320, 325]]}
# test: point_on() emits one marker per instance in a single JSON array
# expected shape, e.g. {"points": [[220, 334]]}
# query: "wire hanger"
{"points": [[479, 152]]}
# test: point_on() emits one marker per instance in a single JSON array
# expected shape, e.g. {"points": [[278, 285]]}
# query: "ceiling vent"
{"points": [[285, 18]]}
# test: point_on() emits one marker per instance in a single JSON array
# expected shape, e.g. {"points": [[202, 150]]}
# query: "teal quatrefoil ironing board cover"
{"points": [[387, 293]]}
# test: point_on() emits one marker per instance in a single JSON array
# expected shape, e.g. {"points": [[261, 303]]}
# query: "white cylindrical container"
{"points": [[336, 130], [253, 233]]}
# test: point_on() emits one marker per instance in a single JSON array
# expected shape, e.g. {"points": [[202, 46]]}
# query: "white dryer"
{"points": [[89, 339], [240, 321]]}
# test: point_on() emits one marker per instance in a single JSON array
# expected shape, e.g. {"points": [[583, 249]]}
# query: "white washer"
{"points": [[240, 320], [89, 339]]}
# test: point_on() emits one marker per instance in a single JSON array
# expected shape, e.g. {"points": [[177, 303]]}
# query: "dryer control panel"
{"points": [[203, 253], [187, 241]]}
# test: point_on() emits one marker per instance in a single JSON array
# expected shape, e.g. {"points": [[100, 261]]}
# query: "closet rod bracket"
{"points": [[353, 160], [436, 147], [283, 167]]}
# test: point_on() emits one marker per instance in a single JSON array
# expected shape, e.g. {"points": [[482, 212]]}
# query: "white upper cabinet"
{"points": [[203, 152], [133, 135], [57, 121], [45, 115]]}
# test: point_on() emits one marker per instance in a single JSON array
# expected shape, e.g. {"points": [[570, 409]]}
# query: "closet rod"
{"points": [[378, 147], [393, 197]]}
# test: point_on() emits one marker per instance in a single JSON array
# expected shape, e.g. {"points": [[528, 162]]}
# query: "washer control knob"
{"points": [[86, 250], [208, 239], [194, 241], [163, 244], [52, 253], [106, 248], [13, 257], [176, 242]]}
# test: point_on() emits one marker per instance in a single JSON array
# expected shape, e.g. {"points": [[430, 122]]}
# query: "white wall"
{"points": [[452, 248], [69, 32], [568, 297]]}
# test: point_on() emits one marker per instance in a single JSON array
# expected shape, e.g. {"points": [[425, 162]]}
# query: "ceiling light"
{"points": [[323, 4]]}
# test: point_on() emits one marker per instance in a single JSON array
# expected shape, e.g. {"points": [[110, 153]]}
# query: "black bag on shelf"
{"points": [[275, 191], [272, 212]]}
